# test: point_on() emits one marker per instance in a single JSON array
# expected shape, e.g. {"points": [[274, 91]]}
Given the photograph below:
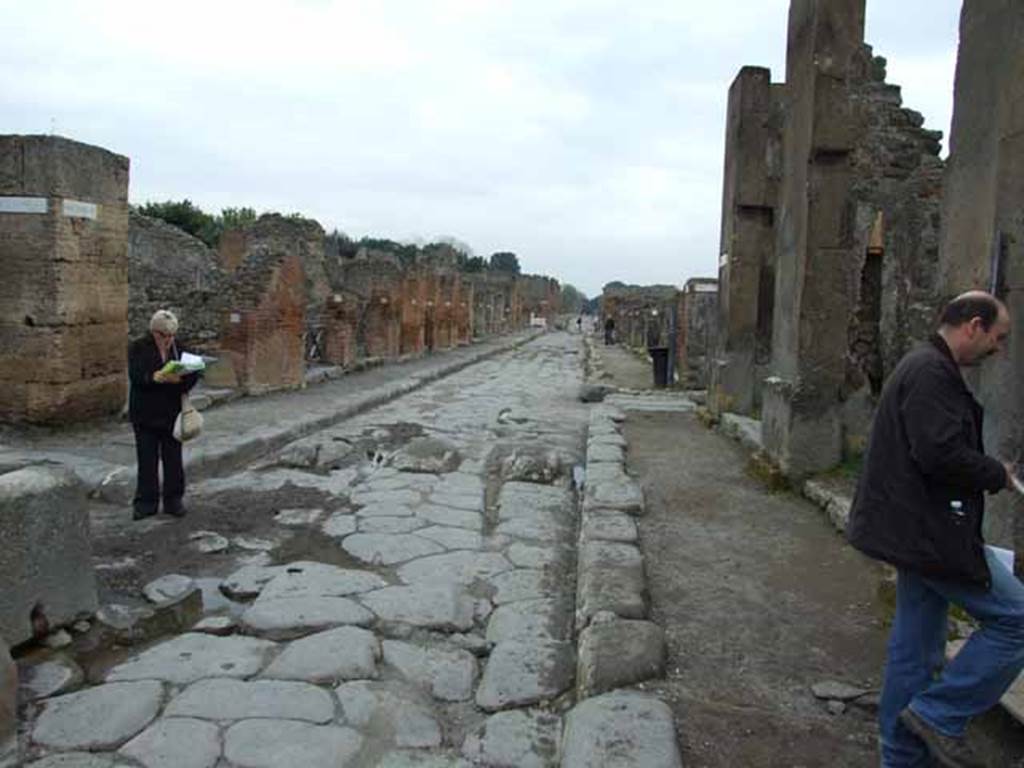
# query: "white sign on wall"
{"points": [[723, 261], [23, 205], [80, 210]]}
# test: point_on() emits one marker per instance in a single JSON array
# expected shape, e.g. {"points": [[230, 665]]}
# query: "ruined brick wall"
{"points": [[539, 297], [494, 296], [170, 269], [264, 322], [982, 238], [376, 280], [64, 293]]}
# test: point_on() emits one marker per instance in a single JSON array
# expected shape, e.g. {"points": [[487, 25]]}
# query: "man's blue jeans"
{"points": [[972, 682]]}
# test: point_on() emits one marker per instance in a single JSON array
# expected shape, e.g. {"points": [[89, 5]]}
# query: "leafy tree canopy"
{"points": [[505, 261]]}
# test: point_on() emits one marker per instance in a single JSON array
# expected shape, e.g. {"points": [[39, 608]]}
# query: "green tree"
{"points": [[505, 261], [572, 299], [186, 216], [236, 218]]}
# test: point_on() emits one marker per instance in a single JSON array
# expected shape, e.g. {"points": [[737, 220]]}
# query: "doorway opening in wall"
{"points": [[765, 308], [866, 332]]}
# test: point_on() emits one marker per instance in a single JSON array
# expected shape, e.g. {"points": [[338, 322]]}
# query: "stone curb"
{"points": [[617, 646]]}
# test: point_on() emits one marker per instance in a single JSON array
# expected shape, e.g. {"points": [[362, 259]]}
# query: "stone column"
{"points": [[982, 243], [64, 293], [752, 149], [814, 246]]}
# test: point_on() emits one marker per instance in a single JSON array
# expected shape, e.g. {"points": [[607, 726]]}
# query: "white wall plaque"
{"points": [[23, 204], [723, 260], [80, 210], [235, 317], [705, 288]]}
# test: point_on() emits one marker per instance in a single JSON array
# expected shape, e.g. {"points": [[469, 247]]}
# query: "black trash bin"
{"points": [[659, 357]]}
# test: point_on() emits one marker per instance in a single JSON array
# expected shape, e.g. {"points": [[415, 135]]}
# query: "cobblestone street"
{"points": [[373, 594]]}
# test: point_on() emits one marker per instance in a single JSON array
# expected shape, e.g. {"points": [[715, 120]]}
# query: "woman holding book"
{"points": [[154, 402]]}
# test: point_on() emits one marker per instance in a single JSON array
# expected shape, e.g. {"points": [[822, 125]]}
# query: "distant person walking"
{"points": [[609, 330], [579, 324], [153, 404], [919, 506]]}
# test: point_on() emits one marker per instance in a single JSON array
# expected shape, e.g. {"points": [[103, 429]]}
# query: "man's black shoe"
{"points": [[951, 752], [175, 509], [141, 512]]}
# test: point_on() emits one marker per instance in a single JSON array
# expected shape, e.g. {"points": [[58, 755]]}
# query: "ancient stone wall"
{"points": [[170, 269], [982, 239], [697, 332], [64, 296], [753, 168], [645, 315], [493, 298]]}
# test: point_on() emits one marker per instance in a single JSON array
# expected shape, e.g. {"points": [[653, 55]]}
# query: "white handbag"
{"points": [[189, 423]]}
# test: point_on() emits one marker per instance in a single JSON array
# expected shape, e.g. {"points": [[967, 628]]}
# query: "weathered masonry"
{"points": [[829, 247], [64, 294], [982, 243]]}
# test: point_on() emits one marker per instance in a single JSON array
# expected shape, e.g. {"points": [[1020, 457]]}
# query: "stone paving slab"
{"points": [[78, 760], [311, 579], [449, 674], [454, 568], [176, 743], [98, 718], [193, 656], [615, 654], [444, 607], [229, 699], [345, 653], [392, 711], [277, 743], [389, 549], [290, 617], [519, 674], [515, 739], [520, 584]]}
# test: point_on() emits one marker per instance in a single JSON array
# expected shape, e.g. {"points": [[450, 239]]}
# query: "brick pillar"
{"points": [[64, 292], [752, 146], [815, 251]]}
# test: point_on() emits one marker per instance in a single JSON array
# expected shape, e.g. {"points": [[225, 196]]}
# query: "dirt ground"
{"points": [[760, 599]]}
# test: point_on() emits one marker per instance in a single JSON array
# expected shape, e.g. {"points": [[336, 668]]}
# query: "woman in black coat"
{"points": [[154, 402]]}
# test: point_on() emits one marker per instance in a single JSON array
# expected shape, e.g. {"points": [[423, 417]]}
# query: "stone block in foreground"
{"points": [[46, 558], [624, 729], [616, 654]]}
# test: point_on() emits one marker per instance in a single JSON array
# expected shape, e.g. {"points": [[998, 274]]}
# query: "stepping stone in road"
{"points": [[345, 653], [193, 656], [521, 738], [227, 699], [98, 718], [391, 708], [177, 742], [290, 617], [276, 743]]}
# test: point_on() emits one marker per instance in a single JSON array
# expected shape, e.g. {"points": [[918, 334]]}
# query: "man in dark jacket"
{"points": [[919, 506], [154, 401]]}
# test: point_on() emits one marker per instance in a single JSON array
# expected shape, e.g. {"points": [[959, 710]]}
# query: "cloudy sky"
{"points": [[585, 135]]}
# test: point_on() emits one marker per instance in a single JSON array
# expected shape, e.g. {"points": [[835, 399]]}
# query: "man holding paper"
{"points": [[159, 377], [919, 506]]}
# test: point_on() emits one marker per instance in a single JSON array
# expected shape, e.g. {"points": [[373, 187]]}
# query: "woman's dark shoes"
{"points": [[175, 509], [142, 511]]}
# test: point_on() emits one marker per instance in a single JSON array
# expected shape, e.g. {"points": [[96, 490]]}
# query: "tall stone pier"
{"points": [[982, 243], [747, 252], [814, 247], [64, 293]]}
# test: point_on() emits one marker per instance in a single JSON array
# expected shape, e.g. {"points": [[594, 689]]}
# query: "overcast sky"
{"points": [[585, 135]]}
